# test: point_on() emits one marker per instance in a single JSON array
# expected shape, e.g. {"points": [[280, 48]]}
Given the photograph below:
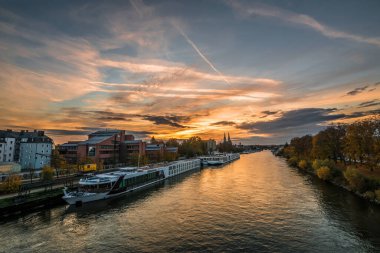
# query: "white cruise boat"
{"points": [[219, 159], [125, 180]]}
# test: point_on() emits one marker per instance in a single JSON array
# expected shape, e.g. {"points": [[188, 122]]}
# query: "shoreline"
{"points": [[335, 182]]}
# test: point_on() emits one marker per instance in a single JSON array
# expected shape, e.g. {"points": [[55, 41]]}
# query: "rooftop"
{"points": [[107, 132], [94, 140], [133, 142]]}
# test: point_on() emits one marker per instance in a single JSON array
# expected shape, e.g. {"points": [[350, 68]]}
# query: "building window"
{"points": [[91, 151]]}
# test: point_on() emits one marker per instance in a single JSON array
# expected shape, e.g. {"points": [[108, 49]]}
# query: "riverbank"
{"points": [[29, 202], [344, 176]]}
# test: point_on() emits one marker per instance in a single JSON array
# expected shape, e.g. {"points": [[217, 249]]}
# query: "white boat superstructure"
{"points": [[219, 159], [125, 180]]}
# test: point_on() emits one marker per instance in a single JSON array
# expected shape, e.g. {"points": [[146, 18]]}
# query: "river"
{"points": [[255, 204]]}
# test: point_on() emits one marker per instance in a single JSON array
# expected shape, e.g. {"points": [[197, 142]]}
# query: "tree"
{"points": [[100, 165], [58, 162], [302, 146], [47, 173], [153, 140], [172, 142], [328, 144], [11, 184], [191, 147], [139, 160], [360, 141]]}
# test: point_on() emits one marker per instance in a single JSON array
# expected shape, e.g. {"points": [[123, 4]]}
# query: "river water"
{"points": [[255, 204]]}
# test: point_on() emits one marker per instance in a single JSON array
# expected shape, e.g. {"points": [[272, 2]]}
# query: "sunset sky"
{"points": [[264, 71]]}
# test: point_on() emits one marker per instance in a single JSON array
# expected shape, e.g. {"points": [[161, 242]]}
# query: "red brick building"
{"points": [[130, 148], [101, 146], [113, 146]]}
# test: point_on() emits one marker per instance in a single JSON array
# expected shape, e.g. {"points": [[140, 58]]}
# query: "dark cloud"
{"points": [[111, 116], [84, 131], [357, 91], [300, 122], [101, 116], [164, 120], [223, 123], [375, 84], [178, 118], [140, 134], [268, 113], [91, 129], [369, 103], [293, 122], [362, 114], [63, 132]]}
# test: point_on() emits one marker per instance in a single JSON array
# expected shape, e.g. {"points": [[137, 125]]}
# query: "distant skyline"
{"points": [[264, 71]]}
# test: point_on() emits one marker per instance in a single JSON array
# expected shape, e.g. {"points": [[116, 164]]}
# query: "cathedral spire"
{"points": [[229, 139], [224, 139]]}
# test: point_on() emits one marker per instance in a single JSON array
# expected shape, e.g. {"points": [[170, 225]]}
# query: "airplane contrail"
{"points": [[192, 44]]}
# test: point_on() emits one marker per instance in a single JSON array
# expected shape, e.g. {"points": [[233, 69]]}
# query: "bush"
{"points": [[47, 173], [355, 181], [316, 164], [11, 184], [377, 195], [320, 163], [302, 164], [293, 161], [324, 173], [369, 195]]}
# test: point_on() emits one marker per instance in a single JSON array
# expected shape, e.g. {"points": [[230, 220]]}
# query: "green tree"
{"points": [[192, 147], [320, 163], [172, 142], [302, 146], [153, 140], [328, 144], [47, 173]]}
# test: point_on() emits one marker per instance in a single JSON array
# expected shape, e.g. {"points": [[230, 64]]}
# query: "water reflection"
{"points": [[257, 203]]}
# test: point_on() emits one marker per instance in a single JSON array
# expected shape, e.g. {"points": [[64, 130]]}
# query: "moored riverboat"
{"points": [[125, 180], [219, 159]]}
